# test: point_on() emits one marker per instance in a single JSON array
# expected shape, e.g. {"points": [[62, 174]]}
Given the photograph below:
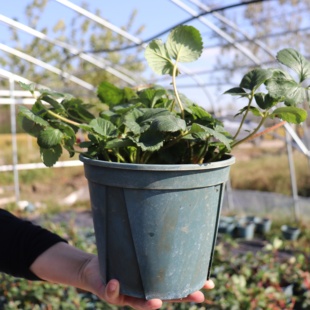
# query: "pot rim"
{"points": [[157, 167]]}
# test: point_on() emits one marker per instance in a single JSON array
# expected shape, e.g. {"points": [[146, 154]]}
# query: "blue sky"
{"points": [[156, 16]]}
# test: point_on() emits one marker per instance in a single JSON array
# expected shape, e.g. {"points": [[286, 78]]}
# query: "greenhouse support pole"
{"points": [[289, 148], [14, 140]]}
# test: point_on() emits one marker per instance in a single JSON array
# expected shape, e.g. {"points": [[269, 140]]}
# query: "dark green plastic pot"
{"points": [[156, 225]]}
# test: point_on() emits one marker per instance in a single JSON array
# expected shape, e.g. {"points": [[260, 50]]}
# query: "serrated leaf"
{"points": [[150, 140], [54, 94], [294, 60], [236, 91], [27, 87], [158, 58], [110, 94], [150, 96], [197, 128], [51, 156], [49, 137], [103, 127], [255, 78], [130, 121], [252, 109], [24, 112], [184, 44], [118, 143], [29, 126], [54, 103], [198, 112], [168, 123], [265, 101], [292, 115], [287, 89]]}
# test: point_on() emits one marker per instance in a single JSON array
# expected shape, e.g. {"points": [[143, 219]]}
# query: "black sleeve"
{"points": [[21, 242]]}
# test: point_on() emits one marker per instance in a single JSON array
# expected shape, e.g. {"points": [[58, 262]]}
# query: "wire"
{"points": [[170, 28]]}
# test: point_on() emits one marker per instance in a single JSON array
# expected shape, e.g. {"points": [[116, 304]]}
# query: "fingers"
{"points": [[113, 296], [209, 285], [196, 297]]}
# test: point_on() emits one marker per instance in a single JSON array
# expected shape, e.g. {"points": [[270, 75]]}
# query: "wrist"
{"points": [[62, 263]]}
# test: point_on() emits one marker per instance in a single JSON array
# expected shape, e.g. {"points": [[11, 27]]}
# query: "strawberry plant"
{"points": [[155, 125]]}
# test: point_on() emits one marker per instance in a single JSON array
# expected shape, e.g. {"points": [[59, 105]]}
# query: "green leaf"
{"points": [[290, 114], [54, 103], [255, 78], [51, 156], [285, 88], [130, 121], [118, 143], [198, 112], [168, 123], [184, 44], [197, 128], [112, 95], [150, 96], [252, 109], [103, 127], [150, 140], [294, 60], [54, 94], [236, 91], [24, 112], [28, 87], [49, 137], [265, 101], [158, 58]]}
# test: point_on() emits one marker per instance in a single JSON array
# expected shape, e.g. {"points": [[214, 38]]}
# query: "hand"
{"points": [[111, 293], [65, 264]]}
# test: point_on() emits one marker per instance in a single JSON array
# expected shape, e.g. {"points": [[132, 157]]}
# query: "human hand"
{"points": [[65, 264], [111, 292]]}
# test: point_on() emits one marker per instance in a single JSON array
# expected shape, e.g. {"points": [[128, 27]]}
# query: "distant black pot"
{"points": [[246, 230], [263, 226], [289, 232], [227, 225]]}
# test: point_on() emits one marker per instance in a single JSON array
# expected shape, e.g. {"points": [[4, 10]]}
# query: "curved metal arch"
{"points": [[46, 66], [234, 26], [100, 63], [9, 75], [220, 32]]}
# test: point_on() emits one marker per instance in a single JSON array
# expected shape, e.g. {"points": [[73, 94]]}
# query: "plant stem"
{"points": [[63, 118], [176, 140], [244, 116], [176, 90]]}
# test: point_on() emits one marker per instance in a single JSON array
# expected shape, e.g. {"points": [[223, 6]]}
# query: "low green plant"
{"points": [[155, 125]]}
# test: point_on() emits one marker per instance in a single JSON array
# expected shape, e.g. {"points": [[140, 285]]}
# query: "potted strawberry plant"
{"points": [[157, 163]]}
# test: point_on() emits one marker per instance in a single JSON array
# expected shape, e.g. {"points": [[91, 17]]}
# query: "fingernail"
{"points": [[112, 286]]}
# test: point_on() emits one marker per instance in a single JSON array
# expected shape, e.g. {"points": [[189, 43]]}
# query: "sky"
{"points": [[156, 16]]}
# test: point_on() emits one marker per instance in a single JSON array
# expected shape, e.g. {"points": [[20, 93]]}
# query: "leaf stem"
{"points": [[174, 73], [63, 118], [244, 116]]}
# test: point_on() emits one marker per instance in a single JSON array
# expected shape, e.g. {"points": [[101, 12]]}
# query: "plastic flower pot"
{"points": [[254, 219], [227, 225], [263, 226], [156, 225], [245, 230], [290, 233]]}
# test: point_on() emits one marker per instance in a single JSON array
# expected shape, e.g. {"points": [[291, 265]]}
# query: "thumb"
{"points": [[112, 291]]}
